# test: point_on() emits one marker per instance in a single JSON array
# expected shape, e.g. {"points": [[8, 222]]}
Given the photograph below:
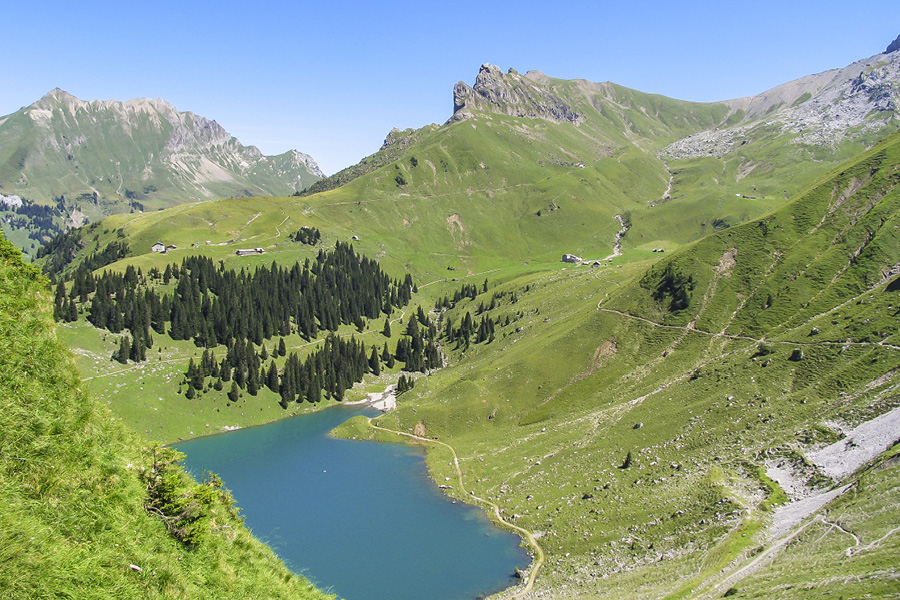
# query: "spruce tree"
{"points": [[60, 312], [272, 377], [233, 394], [374, 362], [71, 311], [121, 355], [386, 332], [253, 382]]}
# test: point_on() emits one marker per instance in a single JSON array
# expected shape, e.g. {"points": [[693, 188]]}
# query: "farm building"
{"points": [[249, 252]]}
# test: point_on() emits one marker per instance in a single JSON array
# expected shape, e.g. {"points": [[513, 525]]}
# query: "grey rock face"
{"points": [[510, 94], [821, 109], [893, 46]]}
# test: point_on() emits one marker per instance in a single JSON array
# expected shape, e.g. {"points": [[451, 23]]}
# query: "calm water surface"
{"points": [[360, 519]]}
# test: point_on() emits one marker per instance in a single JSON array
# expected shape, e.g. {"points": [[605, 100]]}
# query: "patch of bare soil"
{"points": [[727, 262]]}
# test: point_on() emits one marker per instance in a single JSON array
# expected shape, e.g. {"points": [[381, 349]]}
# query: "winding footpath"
{"points": [[538, 551]]}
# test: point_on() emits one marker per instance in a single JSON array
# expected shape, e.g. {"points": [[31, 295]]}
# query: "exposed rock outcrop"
{"points": [[509, 94], [893, 46], [821, 109]]}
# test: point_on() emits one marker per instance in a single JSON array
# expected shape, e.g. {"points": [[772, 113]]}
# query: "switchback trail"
{"points": [[538, 551]]}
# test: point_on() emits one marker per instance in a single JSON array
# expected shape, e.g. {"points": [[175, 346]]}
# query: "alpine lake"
{"points": [[360, 519]]}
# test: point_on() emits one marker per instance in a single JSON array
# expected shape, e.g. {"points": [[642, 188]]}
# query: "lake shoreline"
{"points": [[380, 401], [366, 468], [384, 401]]}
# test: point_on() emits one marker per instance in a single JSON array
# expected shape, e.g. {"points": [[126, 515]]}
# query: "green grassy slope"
{"points": [[737, 348], [74, 486], [789, 326]]}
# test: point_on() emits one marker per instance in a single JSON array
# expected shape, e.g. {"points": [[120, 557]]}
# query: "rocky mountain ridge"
{"points": [[103, 157], [511, 94], [821, 110]]}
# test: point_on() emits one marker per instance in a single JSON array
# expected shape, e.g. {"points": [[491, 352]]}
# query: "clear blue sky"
{"points": [[331, 79]]}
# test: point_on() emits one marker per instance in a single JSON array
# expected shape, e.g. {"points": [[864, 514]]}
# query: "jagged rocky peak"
{"points": [[300, 158], [510, 94], [893, 46]]}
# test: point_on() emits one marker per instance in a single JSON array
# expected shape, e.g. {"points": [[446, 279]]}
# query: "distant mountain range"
{"points": [[820, 117], [92, 159]]}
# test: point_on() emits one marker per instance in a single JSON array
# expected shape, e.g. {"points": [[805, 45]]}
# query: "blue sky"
{"points": [[331, 79]]}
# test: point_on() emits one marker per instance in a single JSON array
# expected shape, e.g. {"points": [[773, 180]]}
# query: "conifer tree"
{"points": [[386, 332], [272, 377], [122, 354], [233, 394], [253, 382], [71, 311], [387, 357], [60, 311], [374, 362]]}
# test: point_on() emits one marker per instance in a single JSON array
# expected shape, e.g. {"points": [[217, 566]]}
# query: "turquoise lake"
{"points": [[360, 519]]}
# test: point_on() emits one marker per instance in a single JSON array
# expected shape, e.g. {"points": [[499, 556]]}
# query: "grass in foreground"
{"points": [[75, 486]]}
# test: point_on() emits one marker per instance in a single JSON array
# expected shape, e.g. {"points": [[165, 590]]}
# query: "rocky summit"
{"points": [[822, 109], [103, 157], [510, 94], [893, 46]]}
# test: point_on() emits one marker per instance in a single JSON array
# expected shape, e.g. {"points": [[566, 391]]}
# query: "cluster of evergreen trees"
{"points": [[241, 310], [467, 290], [43, 222], [418, 350], [213, 306], [63, 248], [117, 303], [471, 330], [329, 371], [404, 384], [306, 235], [332, 369], [468, 332]]}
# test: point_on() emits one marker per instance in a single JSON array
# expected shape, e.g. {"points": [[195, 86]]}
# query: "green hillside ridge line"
{"points": [[77, 518]]}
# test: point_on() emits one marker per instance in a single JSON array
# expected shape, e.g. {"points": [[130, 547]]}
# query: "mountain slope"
{"points": [[632, 426], [679, 169], [108, 157], [89, 511]]}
